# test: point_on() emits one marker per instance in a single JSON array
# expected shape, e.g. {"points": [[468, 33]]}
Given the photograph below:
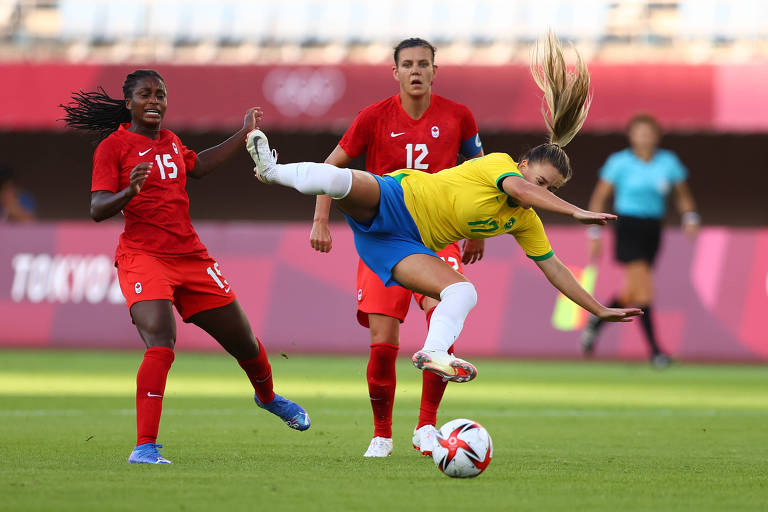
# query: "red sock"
{"points": [[150, 387], [381, 386], [259, 372], [432, 389]]}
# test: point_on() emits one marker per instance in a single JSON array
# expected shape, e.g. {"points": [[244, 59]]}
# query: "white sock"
{"points": [[313, 179], [456, 301]]}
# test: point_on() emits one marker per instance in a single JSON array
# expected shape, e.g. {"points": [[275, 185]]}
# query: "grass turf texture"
{"points": [[567, 436]]}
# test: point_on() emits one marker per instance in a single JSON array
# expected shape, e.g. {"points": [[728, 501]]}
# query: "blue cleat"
{"points": [[147, 453], [291, 413]]}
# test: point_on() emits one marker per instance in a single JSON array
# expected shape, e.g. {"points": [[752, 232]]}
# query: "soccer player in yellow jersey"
{"points": [[399, 220]]}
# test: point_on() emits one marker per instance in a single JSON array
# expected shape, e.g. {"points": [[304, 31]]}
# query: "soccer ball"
{"points": [[462, 449]]}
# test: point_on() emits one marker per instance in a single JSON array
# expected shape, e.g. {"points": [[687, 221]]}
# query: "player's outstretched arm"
{"points": [[527, 194], [210, 159], [562, 279]]}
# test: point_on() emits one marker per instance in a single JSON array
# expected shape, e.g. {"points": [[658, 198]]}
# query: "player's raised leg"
{"points": [[306, 177], [356, 192]]}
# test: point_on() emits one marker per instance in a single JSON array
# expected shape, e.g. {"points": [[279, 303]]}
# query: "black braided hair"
{"points": [[99, 113]]}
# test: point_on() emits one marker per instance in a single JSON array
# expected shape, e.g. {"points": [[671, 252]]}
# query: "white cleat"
{"points": [[445, 365], [424, 439], [265, 159], [379, 447]]}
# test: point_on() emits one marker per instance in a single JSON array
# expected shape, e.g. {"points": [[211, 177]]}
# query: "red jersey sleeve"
{"points": [[189, 156], [106, 166], [355, 139]]}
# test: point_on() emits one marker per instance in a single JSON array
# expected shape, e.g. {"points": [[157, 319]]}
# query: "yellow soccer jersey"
{"points": [[467, 201]]}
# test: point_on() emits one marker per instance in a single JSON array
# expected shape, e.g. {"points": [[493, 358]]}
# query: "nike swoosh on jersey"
{"points": [[151, 395], [477, 141], [393, 134], [142, 153]]}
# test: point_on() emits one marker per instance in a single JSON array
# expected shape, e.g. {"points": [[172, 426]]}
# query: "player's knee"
{"points": [[464, 291], [384, 330], [313, 179], [157, 334]]}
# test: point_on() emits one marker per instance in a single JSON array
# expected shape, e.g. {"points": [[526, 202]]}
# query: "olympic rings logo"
{"points": [[304, 91]]}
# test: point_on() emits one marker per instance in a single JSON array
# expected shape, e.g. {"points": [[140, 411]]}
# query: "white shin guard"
{"points": [[456, 301], [314, 179]]}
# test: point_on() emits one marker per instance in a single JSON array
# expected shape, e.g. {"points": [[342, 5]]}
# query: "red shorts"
{"points": [[193, 283], [394, 301]]}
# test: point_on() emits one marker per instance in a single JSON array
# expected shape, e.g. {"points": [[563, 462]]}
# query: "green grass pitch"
{"points": [[567, 436]]}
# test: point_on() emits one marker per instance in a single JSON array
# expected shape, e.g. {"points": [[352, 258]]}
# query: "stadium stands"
{"points": [[483, 31]]}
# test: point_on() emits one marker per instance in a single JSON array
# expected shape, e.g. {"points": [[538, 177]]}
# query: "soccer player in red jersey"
{"points": [[141, 170], [414, 129]]}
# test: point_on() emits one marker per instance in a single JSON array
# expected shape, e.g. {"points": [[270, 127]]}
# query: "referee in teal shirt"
{"points": [[640, 179]]}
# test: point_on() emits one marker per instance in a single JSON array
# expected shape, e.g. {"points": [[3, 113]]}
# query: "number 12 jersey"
{"points": [[392, 140]]}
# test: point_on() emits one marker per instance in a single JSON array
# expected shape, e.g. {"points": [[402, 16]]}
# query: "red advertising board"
{"points": [[58, 289], [210, 98]]}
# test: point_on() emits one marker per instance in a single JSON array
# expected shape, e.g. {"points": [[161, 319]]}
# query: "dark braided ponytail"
{"points": [[97, 112]]}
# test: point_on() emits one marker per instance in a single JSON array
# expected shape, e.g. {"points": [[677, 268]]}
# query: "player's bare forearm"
{"points": [[562, 279], [685, 202], [210, 159], [527, 195], [322, 209], [105, 204], [320, 236]]}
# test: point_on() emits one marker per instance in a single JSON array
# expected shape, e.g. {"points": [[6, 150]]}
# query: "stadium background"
{"points": [[700, 66]]}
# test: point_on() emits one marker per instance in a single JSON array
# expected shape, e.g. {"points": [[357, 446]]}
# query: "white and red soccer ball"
{"points": [[462, 449]]}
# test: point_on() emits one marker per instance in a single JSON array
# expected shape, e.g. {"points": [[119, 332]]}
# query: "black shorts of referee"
{"points": [[637, 238]]}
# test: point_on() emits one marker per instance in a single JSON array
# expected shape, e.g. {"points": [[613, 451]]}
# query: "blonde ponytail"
{"points": [[566, 94]]}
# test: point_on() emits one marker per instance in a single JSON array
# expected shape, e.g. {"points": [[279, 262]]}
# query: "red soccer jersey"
{"points": [[157, 220], [392, 140]]}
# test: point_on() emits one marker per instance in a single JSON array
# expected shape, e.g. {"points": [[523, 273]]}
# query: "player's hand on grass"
{"points": [[587, 217], [619, 314], [253, 117], [320, 237], [138, 176], [472, 251]]}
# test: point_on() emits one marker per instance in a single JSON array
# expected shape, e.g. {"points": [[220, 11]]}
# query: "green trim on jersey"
{"points": [[399, 177], [498, 181], [543, 256], [498, 185]]}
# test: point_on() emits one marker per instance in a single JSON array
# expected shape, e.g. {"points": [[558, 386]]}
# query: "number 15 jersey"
{"points": [[157, 219], [391, 139]]}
